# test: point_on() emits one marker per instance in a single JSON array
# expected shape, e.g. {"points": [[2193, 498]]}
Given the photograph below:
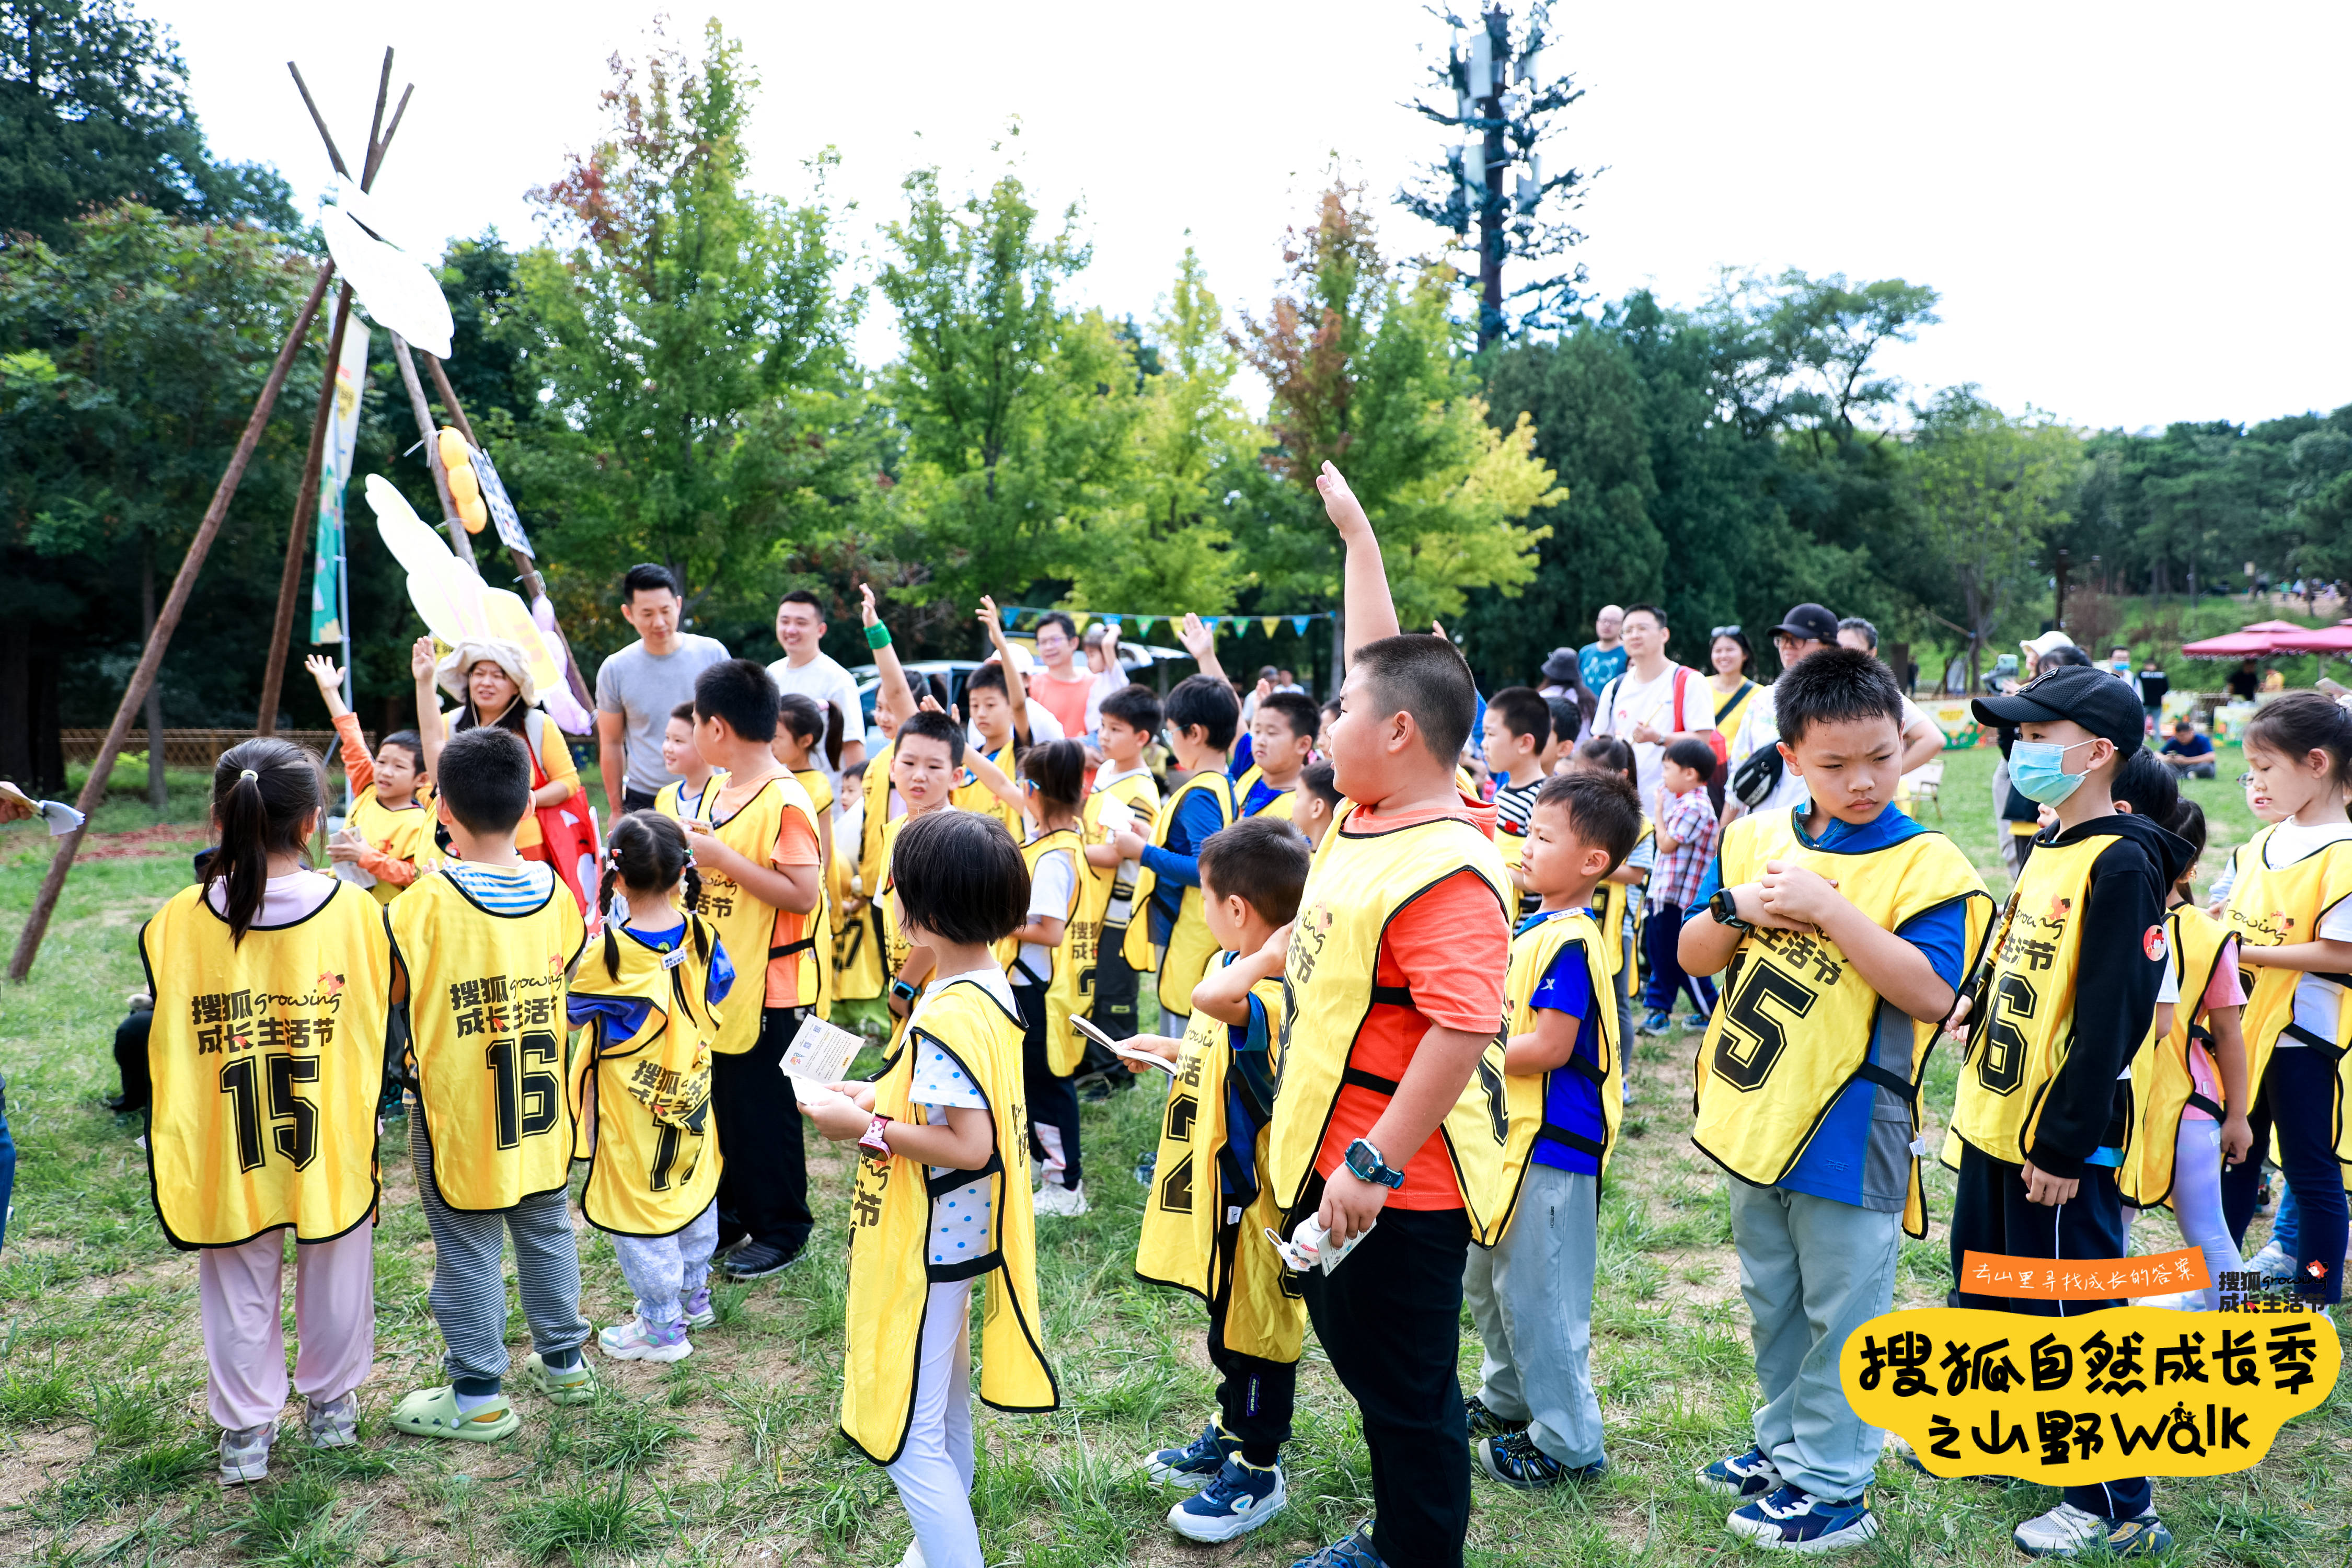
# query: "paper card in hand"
{"points": [[819, 1055], [1121, 1049], [1115, 815]]}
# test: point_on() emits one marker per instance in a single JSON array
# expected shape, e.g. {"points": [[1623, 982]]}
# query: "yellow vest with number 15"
{"points": [[1798, 1019], [890, 1222], [1192, 1237], [1190, 946], [485, 1015], [267, 1057], [643, 1103], [1359, 881]]}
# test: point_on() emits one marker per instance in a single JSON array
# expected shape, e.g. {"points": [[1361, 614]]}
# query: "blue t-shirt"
{"points": [[1249, 1101], [1176, 863], [1572, 1101], [625, 1016], [1599, 666], [1860, 1155], [2195, 746]]}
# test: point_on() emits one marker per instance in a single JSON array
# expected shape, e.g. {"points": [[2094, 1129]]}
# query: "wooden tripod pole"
{"points": [[183, 583], [298, 532]]}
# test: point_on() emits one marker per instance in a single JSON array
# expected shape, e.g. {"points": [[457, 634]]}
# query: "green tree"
{"points": [[693, 341], [1020, 415], [94, 111], [1989, 488]]}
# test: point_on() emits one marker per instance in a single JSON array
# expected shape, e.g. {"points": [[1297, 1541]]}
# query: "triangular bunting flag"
{"points": [[1271, 623], [1110, 620], [1081, 617], [1143, 625], [1298, 625]]}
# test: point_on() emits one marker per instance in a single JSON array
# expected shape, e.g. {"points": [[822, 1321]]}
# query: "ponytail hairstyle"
{"points": [[1058, 769], [1608, 754], [266, 794], [806, 719], [2189, 822], [2301, 722], [648, 852]]}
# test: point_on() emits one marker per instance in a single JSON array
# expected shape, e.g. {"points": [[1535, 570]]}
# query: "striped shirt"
{"points": [[502, 889], [1514, 804]]}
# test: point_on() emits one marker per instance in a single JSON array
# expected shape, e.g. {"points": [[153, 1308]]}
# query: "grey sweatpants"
{"points": [[469, 1288], [1813, 1270], [1531, 1298]]}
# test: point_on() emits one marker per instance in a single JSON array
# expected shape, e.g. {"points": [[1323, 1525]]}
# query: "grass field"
{"points": [[732, 1456]]}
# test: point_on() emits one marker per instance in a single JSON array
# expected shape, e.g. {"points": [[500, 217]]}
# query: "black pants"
{"points": [[634, 799], [1115, 986], [1052, 1101], [1255, 1396], [1990, 1214], [1390, 1318], [130, 1058], [763, 1186], [2298, 1094]]}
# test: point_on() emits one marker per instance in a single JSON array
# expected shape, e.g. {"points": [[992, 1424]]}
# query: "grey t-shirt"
{"points": [[642, 689]]}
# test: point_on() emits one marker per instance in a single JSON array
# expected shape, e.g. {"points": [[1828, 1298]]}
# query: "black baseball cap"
{"points": [[1562, 664], [1809, 623], [2094, 698]]}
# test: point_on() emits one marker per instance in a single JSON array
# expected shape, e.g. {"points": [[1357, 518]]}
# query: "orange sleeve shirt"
{"points": [[795, 845]]}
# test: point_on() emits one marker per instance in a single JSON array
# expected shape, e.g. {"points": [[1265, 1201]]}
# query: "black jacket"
{"points": [[2116, 982]]}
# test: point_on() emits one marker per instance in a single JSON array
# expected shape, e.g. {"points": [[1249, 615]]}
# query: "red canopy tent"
{"points": [[2252, 643]]}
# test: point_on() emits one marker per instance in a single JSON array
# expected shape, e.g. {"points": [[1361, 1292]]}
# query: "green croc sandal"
{"points": [[433, 1413], [577, 1386]]}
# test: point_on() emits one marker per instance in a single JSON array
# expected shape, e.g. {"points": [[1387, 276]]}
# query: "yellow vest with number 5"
{"points": [[890, 1224], [267, 1057], [1359, 881], [1798, 1020], [485, 1017]]}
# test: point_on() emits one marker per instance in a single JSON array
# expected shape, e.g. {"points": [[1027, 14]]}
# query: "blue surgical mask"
{"points": [[2038, 770]]}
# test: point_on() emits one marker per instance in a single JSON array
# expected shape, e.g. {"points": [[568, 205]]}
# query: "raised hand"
{"points": [[322, 670], [990, 619], [1198, 639], [1339, 503], [422, 660], [865, 610]]}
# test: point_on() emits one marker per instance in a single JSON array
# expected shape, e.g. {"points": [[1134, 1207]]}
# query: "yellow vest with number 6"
{"points": [[2023, 1037], [1798, 1020], [1192, 1237], [2269, 906], [757, 933], [1080, 926], [487, 1024], [643, 1103], [1190, 946], [1358, 882], [890, 1224], [267, 1057], [2161, 1086]]}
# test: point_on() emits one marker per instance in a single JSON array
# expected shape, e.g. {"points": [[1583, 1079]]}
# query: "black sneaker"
{"points": [[759, 1260], [1484, 1423]]}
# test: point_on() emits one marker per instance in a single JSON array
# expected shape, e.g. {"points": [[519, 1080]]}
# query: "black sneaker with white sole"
{"points": [[760, 1260]]}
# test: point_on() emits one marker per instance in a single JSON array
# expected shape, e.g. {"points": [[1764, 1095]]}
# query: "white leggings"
{"points": [[2197, 1200], [933, 1473]]}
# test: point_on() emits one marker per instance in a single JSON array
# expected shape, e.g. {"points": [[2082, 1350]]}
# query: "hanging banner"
{"points": [[327, 607], [494, 496]]}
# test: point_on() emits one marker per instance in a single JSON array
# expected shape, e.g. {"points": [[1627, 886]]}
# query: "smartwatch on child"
{"points": [[1364, 1164], [872, 1142]]}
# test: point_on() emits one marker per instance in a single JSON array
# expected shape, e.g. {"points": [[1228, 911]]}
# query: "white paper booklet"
{"points": [[820, 1054]]}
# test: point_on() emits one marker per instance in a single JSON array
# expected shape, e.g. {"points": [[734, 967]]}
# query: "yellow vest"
{"points": [[857, 970], [1190, 946], [2269, 906], [2023, 1037], [890, 1222], [1278, 805], [1358, 883], [405, 833], [1532, 953], [1074, 956], [756, 932], [669, 798], [487, 1024], [816, 970], [1761, 1101], [975, 796], [267, 1057], [643, 1103], [1192, 1237], [1617, 910], [1141, 797], [2160, 1082]]}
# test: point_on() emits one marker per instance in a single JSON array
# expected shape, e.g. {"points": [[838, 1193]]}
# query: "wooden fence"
{"points": [[195, 748]]}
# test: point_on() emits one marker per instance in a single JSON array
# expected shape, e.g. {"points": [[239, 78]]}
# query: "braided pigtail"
{"points": [[604, 906]]}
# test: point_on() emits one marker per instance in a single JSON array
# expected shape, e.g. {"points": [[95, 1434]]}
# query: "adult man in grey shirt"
{"points": [[637, 687]]}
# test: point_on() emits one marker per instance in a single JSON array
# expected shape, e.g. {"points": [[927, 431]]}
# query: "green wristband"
{"points": [[877, 636]]}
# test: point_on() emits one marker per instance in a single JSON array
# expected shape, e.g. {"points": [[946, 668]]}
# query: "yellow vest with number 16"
{"points": [[485, 1015], [1798, 1019], [1359, 883], [1191, 1236], [643, 1102], [890, 1222], [267, 1057]]}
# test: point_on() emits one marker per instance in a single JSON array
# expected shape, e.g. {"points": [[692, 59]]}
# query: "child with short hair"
{"points": [[1208, 1205], [1617, 902], [1282, 737], [388, 832], [757, 848], [2040, 1115], [690, 793], [1517, 735], [1125, 721], [1685, 836], [926, 759], [240, 1020], [647, 999], [942, 1195], [1318, 801], [1535, 1421], [801, 725], [484, 947], [1174, 938], [1848, 927]]}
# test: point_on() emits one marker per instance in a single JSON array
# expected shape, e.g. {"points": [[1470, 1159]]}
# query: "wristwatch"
{"points": [[1364, 1164], [1726, 910], [904, 992], [872, 1142]]}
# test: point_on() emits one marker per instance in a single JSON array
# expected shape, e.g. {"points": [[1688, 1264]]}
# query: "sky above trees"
{"points": [[2112, 200]]}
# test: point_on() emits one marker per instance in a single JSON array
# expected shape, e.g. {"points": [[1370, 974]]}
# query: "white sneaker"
{"points": [[2070, 1532], [1065, 1202], [629, 1341], [2272, 1263], [2184, 1301], [244, 1454]]}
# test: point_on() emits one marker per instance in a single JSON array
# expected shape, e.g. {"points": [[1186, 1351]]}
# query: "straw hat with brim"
{"points": [[454, 664]]}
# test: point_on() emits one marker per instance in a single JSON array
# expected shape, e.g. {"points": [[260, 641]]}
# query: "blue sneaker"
{"points": [[1479, 1419], [1355, 1551], [1196, 1465], [1237, 1500], [1750, 1474], [1513, 1459], [1657, 1023], [1695, 1024], [1792, 1520]]}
